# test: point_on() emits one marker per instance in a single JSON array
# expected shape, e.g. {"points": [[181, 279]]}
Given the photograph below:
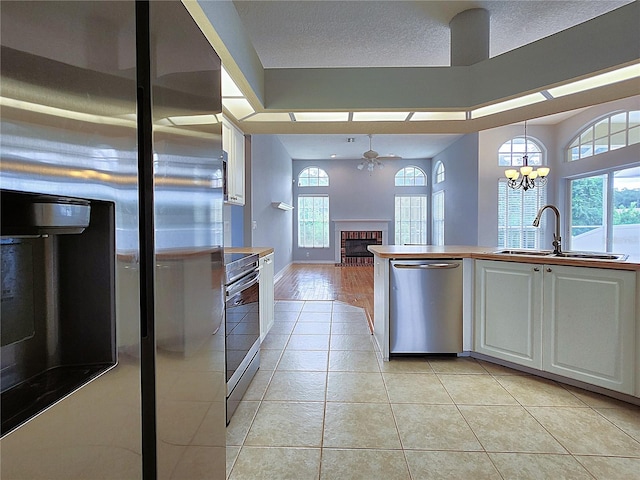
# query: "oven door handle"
{"points": [[247, 282]]}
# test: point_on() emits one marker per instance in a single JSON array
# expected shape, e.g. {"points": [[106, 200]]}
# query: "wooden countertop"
{"points": [[486, 253], [182, 253], [427, 251], [261, 251]]}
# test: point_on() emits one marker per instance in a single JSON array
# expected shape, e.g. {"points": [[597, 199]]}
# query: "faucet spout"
{"points": [[557, 249]]}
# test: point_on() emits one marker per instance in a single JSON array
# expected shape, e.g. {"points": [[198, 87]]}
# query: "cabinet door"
{"points": [[508, 311], [233, 144], [589, 325], [237, 169], [266, 295]]}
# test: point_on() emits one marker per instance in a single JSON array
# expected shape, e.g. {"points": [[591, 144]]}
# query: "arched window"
{"points": [[313, 177], [439, 172], [511, 152], [410, 177], [614, 131], [517, 208]]}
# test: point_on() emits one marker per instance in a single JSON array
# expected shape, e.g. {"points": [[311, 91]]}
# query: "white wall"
{"points": [[271, 182], [460, 187], [489, 172], [355, 195]]}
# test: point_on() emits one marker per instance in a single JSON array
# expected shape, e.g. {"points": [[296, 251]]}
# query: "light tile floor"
{"points": [[324, 406]]}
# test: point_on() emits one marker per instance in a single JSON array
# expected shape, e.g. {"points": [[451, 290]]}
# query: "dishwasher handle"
{"points": [[426, 266]]}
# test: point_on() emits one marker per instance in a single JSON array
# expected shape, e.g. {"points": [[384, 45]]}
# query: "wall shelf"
{"points": [[282, 205]]}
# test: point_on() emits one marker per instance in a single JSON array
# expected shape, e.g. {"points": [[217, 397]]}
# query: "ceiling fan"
{"points": [[372, 159]]}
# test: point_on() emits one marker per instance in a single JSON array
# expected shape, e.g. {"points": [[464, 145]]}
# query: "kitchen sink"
{"points": [[525, 252], [593, 255], [549, 253]]}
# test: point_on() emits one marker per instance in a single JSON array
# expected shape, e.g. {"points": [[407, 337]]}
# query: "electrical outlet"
{"points": [[254, 225]]}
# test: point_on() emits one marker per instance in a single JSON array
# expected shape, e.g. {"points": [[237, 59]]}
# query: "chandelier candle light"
{"points": [[527, 177]]}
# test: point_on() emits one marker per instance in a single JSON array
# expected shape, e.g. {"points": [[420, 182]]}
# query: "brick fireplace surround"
{"points": [[366, 237], [369, 231]]}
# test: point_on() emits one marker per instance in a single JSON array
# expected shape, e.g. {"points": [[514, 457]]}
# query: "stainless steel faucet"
{"points": [[557, 250]]}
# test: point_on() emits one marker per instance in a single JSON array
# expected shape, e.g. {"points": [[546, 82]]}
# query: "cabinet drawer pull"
{"points": [[548, 270], [536, 269]]}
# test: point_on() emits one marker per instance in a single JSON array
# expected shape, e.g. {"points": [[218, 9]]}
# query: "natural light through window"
{"points": [[313, 221], [516, 211], [313, 177], [439, 172], [437, 234], [411, 219], [615, 131], [511, 152], [410, 177], [605, 212]]}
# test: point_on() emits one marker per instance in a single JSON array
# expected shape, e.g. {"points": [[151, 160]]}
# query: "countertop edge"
{"points": [[261, 251], [486, 253]]}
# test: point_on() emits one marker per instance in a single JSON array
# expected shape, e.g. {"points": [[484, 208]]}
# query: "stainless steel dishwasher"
{"points": [[425, 307]]}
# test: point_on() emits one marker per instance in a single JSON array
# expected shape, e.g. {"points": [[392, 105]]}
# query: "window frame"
{"points": [[439, 172], [325, 222], [591, 136], [437, 217], [536, 152], [404, 171], [523, 227], [608, 207], [423, 231], [321, 175]]}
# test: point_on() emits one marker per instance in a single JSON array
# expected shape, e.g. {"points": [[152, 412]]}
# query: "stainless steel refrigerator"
{"points": [[112, 351]]}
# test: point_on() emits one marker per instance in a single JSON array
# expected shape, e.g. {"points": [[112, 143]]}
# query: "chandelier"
{"points": [[527, 177], [370, 164]]}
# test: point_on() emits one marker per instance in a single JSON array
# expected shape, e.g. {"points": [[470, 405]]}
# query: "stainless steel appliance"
{"points": [[425, 307], [113, 104], [58, 305], [242, 320]]}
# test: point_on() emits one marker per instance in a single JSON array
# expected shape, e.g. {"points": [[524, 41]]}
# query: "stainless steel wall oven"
{"points": [[242, 313]]}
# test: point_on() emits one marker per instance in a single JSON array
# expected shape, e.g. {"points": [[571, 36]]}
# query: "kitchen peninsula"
{"points": [[576, 320]]}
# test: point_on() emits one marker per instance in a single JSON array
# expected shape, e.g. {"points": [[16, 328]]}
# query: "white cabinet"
{"points": [[508, 311], [381, 304], [573, 321], [589, 325], [233, 144], [266, 295]]}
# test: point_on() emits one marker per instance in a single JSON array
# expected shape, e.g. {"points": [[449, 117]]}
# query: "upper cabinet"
{"points": [[233, 144]]}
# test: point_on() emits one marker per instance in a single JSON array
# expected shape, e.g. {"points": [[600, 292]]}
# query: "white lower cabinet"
{"points": [[589, 325], [508, 312], [572, 321], [266, 295]]}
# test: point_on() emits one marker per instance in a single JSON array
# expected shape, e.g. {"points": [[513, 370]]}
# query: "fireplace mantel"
{"points": [[357, 225]]}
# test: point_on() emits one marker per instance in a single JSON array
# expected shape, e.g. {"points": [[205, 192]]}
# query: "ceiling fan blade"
{"points": [[394, 157]]}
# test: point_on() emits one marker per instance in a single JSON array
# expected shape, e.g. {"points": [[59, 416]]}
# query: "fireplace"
{"points": [[353, 246], [363, 232]]}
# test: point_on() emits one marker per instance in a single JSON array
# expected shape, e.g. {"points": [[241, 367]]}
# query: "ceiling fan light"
{"points": [[361, 166]]}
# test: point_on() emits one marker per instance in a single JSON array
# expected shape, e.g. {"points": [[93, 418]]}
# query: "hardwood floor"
{"points": [[306, 281]]}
